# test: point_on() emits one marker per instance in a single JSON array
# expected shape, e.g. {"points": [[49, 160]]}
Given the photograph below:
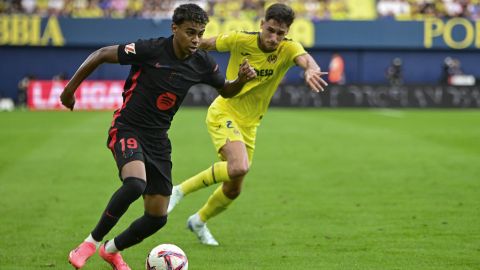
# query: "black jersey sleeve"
{"points": [[213, 75], [135, 53]]}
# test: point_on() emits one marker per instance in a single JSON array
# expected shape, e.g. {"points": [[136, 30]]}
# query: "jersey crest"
{"points": [[272, 58], [130, 48]]}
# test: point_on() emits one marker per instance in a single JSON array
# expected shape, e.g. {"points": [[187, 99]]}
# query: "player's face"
{"points": [[187, 38], [273, 32]]}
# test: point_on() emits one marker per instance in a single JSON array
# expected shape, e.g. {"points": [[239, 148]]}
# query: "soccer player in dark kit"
{"points": [[162, 71]]}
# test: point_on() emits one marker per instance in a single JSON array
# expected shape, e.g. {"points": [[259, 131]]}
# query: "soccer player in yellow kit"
{"points": [[232, 123]]}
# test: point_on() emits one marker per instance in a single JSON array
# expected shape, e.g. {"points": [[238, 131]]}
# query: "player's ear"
{"points": [[262, 22], [174, 28]]}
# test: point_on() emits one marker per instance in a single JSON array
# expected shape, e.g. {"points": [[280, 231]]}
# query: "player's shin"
{"points": [[216, 204], [214, 174], [129, 192]]}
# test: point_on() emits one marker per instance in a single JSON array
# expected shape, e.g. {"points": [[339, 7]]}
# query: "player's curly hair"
{"points": [[280, 13], [189, 12]]}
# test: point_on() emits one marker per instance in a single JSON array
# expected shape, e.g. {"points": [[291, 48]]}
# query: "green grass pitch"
{"points": [[328, 189]]}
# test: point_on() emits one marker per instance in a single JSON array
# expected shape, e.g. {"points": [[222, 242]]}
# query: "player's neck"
{"points": [[261, 46], [178, 53]]}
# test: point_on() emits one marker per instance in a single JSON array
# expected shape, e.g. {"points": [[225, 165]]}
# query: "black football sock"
{"points": [[139, 230], [131, 189]]}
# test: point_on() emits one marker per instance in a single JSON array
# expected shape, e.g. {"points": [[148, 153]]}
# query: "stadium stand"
{"points": [[315, 10]]}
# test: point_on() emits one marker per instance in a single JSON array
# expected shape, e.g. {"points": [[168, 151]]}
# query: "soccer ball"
{"points": [[166, 257]]}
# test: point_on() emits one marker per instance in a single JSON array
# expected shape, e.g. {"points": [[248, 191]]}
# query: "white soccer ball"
{"points": [[166, 257]]}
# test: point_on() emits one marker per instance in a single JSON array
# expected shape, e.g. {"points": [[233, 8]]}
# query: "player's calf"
{"points": [[140, 229]]}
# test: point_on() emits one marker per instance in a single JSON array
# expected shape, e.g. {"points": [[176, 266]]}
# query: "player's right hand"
{"points": [[68, 99]]}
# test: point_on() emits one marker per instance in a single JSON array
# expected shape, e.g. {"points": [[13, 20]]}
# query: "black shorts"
{"points": [[152, 148]]}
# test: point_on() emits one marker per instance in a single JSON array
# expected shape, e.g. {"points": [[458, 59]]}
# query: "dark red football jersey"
{"points": [[158, 82]]}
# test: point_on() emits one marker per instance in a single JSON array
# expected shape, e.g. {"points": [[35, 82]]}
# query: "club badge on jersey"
{"points": [[130, 48]]}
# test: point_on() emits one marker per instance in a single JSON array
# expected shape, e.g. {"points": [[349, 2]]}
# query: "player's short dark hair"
{"points": [[280, 13], [189, 12]]}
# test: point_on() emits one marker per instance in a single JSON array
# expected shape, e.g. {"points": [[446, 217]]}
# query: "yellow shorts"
{"points": [[222, 127]]}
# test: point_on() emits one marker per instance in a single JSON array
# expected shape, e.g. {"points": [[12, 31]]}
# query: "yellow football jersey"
{"points": [[249, 106]]}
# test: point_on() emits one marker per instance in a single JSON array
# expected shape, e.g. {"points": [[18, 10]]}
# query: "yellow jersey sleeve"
{"points": [[293, 49], [227, 41]]}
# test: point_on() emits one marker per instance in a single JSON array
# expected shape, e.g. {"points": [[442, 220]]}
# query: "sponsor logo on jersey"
{"points": [[264, 72], [130, 48], [166, 101]]}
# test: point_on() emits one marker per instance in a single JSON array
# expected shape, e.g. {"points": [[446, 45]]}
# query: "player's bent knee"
{"points": [[155, 223], [136, 186], [160, 221], [238, 171]]}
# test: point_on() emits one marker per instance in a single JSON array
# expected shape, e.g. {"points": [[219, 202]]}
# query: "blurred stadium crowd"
{"points": [[315, 10]]}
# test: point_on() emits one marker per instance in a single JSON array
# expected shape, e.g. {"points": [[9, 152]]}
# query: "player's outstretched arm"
{"points": [[102, 55], [246, 73], [209, 44], [313, 74]]}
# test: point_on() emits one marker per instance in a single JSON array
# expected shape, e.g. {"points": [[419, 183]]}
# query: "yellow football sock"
{"points": [[216, 204], [215, 174]]}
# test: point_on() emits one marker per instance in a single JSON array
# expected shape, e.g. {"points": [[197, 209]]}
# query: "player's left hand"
{"points": [[246, 72], [313, 78]]}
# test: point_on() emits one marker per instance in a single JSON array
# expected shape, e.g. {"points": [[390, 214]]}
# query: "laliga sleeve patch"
{"points": [[130, 48], [166, 101]]}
